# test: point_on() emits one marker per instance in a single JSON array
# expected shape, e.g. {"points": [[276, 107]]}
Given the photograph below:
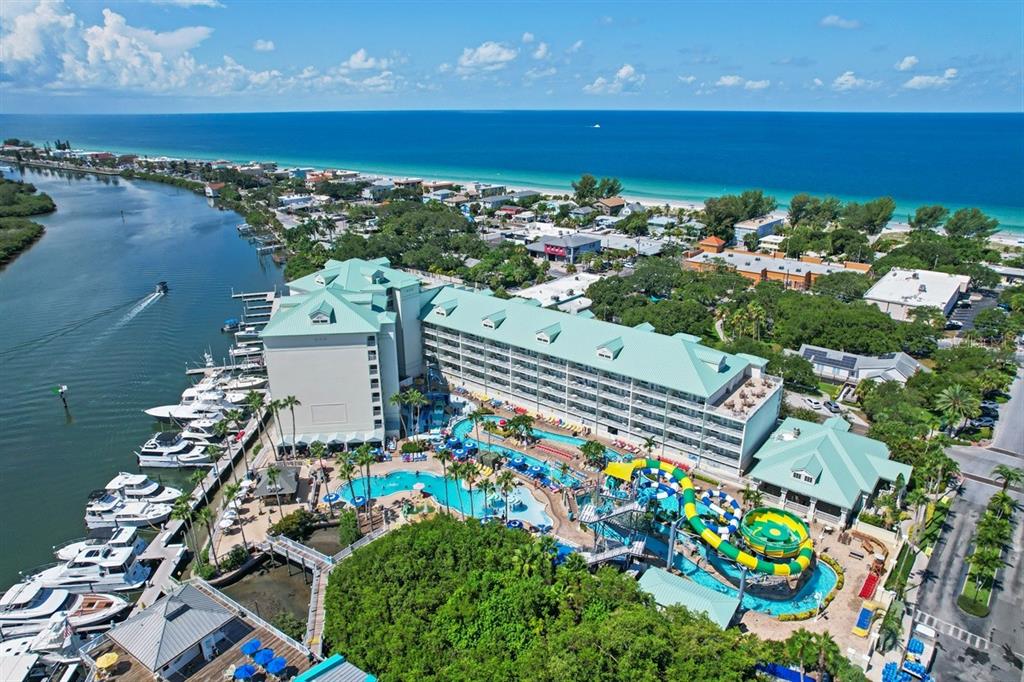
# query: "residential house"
{"points": [[610, 205], [793, 273], [213, 189], [842, 367]]}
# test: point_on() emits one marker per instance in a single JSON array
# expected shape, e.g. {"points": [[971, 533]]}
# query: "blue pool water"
{"points": [[530, 511], [464, 428]]}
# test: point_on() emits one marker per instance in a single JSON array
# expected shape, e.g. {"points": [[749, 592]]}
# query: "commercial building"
{"points": [[342, 341], [620, 382], [669, 589], [823, 471], [842, 367], [565, 293], [900, 291], [566, 248], [762, 227], [792, 273]]}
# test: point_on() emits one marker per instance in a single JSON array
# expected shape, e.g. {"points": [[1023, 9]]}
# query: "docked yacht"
{"points": [[101, 537], [112, 511], [26, 608], [115, 569], [244, 383], [169, 450], [140, 487], [202, 431], [198, 404]]}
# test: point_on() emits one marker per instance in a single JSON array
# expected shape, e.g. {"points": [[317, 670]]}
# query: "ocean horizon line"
{"points": [[667, 110]]}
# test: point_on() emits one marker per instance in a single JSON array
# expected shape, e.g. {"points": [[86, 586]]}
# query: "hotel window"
{"points": [[376, 411], [374, 383], [378, 423], [371, 355], [371, 340], [375, 397], [373, 369]]}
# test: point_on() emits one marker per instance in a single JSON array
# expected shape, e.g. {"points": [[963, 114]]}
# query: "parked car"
{"points": [[989, 405], [954, 324], [963, 304], [814, 403], [833, 407], [982, 422]]}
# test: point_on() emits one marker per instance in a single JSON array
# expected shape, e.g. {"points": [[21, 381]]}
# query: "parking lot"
{"points": [[965, 316]]}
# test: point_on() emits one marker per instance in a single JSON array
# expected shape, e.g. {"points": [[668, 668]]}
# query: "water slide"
{"points": [[766, 526]]}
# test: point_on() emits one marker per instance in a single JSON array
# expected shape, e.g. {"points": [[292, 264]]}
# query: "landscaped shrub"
{"points": [[235, 558], [348, 528], [298, 525], [413, 446]]}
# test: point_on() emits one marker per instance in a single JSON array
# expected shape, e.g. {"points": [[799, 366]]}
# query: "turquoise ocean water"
{"points": [[954, 159]]}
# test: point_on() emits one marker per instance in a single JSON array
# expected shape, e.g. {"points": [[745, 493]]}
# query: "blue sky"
{"points": [[233, 55]]}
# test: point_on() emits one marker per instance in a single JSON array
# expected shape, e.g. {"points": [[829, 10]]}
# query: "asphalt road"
{"points": [[1009, 429]]}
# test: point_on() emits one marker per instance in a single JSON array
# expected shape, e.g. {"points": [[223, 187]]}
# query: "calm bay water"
{"points": [[104, 250], [952, 159]]}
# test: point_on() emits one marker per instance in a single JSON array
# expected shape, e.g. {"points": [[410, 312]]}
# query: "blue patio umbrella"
{"points": [[251, 647], [518, 461], [536, 469], [276, 666], [245, 672], [514, 524], [359, 501], [331, 498], [263, 656]]}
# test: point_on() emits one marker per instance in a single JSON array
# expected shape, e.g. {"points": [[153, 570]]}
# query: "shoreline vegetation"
{"points": [[18, 200]]}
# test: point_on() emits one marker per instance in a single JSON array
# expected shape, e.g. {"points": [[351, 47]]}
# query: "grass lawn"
{"points": [[831, 389], [897, 579], [936, 516], [975, 600]]}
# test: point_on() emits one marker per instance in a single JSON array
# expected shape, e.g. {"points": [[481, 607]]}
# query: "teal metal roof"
{"points": [[669, 589], [295, 316], [354, 275], [677, 362], [843, 464]]}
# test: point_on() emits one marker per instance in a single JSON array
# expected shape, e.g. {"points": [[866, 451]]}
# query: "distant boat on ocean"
{"points": [[596, 125]]}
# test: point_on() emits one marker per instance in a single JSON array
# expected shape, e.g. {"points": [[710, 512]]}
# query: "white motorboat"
{"points": [[115, 569], [26, 608], [169, 450], [101, 537], [248, 350], [244, 383], [201, 431], [112, 511], [141, 487], [198, 405], [247, 334]]}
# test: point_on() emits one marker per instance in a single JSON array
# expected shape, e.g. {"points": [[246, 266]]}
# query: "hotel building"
{"points": [[346, 337]]}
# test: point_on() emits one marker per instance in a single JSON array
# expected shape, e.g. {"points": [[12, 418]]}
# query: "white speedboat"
{"points": [[141, 487], [198, 405], [247, 334], [112, 511], [101, 537], [26, 608], [202, 431], [115, 569], [169, 450], [244, 383]]}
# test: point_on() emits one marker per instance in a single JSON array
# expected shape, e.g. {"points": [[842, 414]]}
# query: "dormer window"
{"points": [[549, 334], [322, 314], [494, 320], [804, 476], [319, 279], [610, 349], [445, 309], [320, 318]]}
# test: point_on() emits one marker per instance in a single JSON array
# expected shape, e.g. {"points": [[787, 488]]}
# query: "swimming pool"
{"points": [[458, 498], [464, 428]]}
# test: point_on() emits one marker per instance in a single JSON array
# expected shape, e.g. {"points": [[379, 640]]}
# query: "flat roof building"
{"points": [[762, 227], [566, 248], [792, 273], [900, 291], [559, 291]]}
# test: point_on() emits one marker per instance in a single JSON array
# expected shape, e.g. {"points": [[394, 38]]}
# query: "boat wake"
{"points": [[137, 308]]}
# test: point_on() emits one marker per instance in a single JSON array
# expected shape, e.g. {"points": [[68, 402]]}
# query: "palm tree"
{"points": [[649, 445], [275, 410], [182, 511], [487, 487], [205, 517], [1002, 505], [471, 474], [1008, 475], [234, 420], [417, 400], [398, 400], [799, 650], [522, 426], [231, 493], [985, 562], [993, 531], [273, 473], [198, 478], [317, 449], [958, 404], [254, 401], [222, 430], [347, 468], [752, 497], [918, 499], [478, 416], [527, 559], [444, 456], [455, 471], [364, 458], [506, 483], [594, 453], [290, 402]]}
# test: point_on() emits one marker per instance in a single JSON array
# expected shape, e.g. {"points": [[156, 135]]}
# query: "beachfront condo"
{"points": [[342, 341], [628, 383]]}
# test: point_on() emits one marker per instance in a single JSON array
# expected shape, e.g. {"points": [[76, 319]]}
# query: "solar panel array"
{"points": [[822, 358]]}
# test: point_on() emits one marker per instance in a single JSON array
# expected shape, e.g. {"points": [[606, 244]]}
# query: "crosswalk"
{"points": [[945, 628]]}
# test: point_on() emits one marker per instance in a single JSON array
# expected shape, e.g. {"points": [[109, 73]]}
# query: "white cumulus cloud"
{"points": [[816, 83], [187, 3], [535, 74], [626, 79], [687, 79], [488, 56], [362, 61], [848, 80], [31, 37], [541, 52], [836, 21], [261, 45], [932, 82], [907, 63], [757, 85], [576, 47], [729, 81], [528, 37]]}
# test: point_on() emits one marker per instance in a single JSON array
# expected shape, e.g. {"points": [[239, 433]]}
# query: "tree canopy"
{"points": [[721, 214]]}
